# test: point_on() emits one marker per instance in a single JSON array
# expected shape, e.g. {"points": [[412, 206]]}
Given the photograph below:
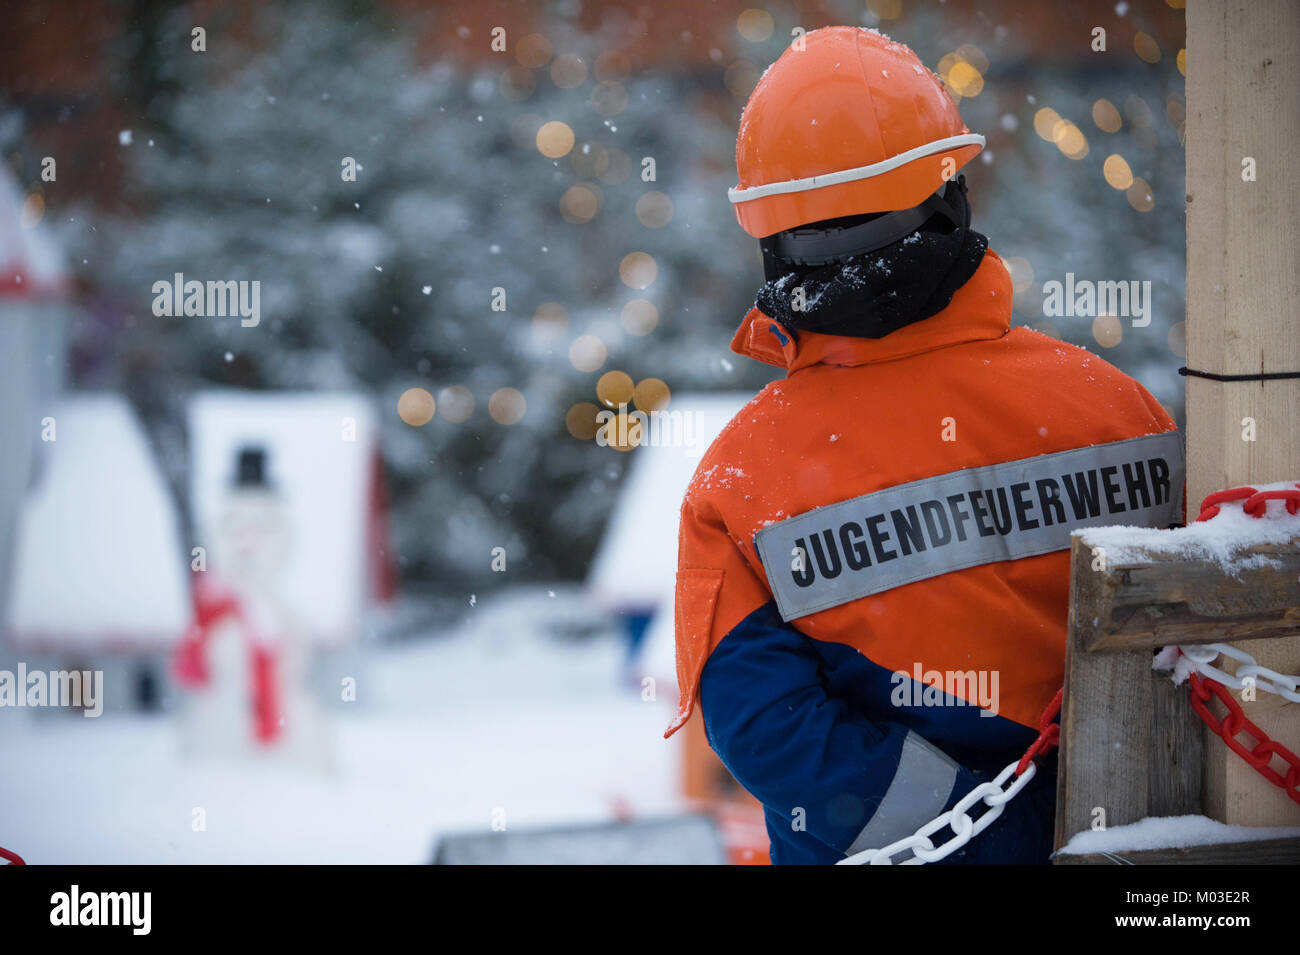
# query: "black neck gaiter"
{"points": [[875, 293]]}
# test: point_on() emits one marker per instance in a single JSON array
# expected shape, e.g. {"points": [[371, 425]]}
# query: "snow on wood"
{"points": [[636, 563], [99, 560], [1170, 832], [319, 456], [1222, 539]]}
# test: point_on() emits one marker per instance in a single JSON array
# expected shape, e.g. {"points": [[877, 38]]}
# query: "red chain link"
{"points": [[13, 857], [1253, 501], [1233, 723], [1260, 755], [1049, 733]]}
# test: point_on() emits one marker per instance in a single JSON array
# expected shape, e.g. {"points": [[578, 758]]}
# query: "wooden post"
{"points": [[1243, 297], [1131, 744]]}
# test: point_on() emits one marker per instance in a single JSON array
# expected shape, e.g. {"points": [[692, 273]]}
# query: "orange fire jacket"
{"points": [[960, 389]]}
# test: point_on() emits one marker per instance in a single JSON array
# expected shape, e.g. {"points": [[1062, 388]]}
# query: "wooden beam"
{"points": [[1243, 115], [1105, 757], [1260, 852], [1153, 599]]}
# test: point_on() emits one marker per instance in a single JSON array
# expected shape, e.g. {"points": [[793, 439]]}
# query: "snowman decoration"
{"points": [[245, 662]]}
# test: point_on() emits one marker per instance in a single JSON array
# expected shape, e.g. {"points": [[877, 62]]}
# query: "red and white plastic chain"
{"points": [[1258, 749], [994, 795], [1259, 755]]}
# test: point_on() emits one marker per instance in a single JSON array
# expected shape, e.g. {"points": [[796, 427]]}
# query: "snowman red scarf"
{"points": [[212, 606]]}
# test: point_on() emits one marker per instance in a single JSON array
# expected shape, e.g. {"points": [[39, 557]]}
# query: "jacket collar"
{"points": [[980, 310]]}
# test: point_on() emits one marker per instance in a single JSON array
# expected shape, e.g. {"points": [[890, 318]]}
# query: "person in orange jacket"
{"points": [[873, 559]]}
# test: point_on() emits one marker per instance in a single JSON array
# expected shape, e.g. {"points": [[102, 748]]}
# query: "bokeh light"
{"points": [[755, 25], [654, 210], [587, 353], [614, 388], [639, 317], [580, 420], [638, 270], [416, 407], [533, 51], [1106, 116], [651, 394], [569, 71], [1108, 330], [554, 139], [1117, 172], [507, 405]]}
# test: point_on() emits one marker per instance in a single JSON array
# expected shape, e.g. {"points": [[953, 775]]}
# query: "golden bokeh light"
{"points": [[651, 394], [886, 9], [755, 25], [615, 388], [1117, 172], [1070, 140], [1140, 196], [1106, 116], [654, 210], [587, 353], [416, 407], [974, 56], [965, 79], [1045, 121], [639, 317], [455, 403], [622, 432], [638, 270], [581, 202], [1182, 61], [580, 420], [569, 71], [1108, 330], [507, 405], [554, 139], [534, 51], [1146, 47]]}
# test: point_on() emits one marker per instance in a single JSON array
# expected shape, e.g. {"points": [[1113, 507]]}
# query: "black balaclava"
{"points": [[870, 294]]}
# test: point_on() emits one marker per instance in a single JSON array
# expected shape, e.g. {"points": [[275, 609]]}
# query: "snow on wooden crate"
{"points": [[320, 450], [1222, 540], [99, 563]]}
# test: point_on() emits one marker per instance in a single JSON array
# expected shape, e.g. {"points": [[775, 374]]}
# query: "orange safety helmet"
{"points": [[852, 123]]}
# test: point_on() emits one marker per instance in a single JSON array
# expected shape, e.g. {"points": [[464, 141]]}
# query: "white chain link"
{"points": [[1262, 678], [963, 826]]}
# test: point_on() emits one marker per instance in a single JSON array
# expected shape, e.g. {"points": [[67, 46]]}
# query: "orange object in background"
{"points": [[707, 783]]}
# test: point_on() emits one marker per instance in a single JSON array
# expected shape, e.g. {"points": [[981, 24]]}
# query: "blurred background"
{"points": [[357, 571]]}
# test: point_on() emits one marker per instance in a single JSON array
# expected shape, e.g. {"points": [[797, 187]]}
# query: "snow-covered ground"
{"points": [[448, 731]]}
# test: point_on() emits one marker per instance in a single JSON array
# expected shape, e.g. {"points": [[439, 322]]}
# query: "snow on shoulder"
{"points": [[1170, 832], [1221, 540]]}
